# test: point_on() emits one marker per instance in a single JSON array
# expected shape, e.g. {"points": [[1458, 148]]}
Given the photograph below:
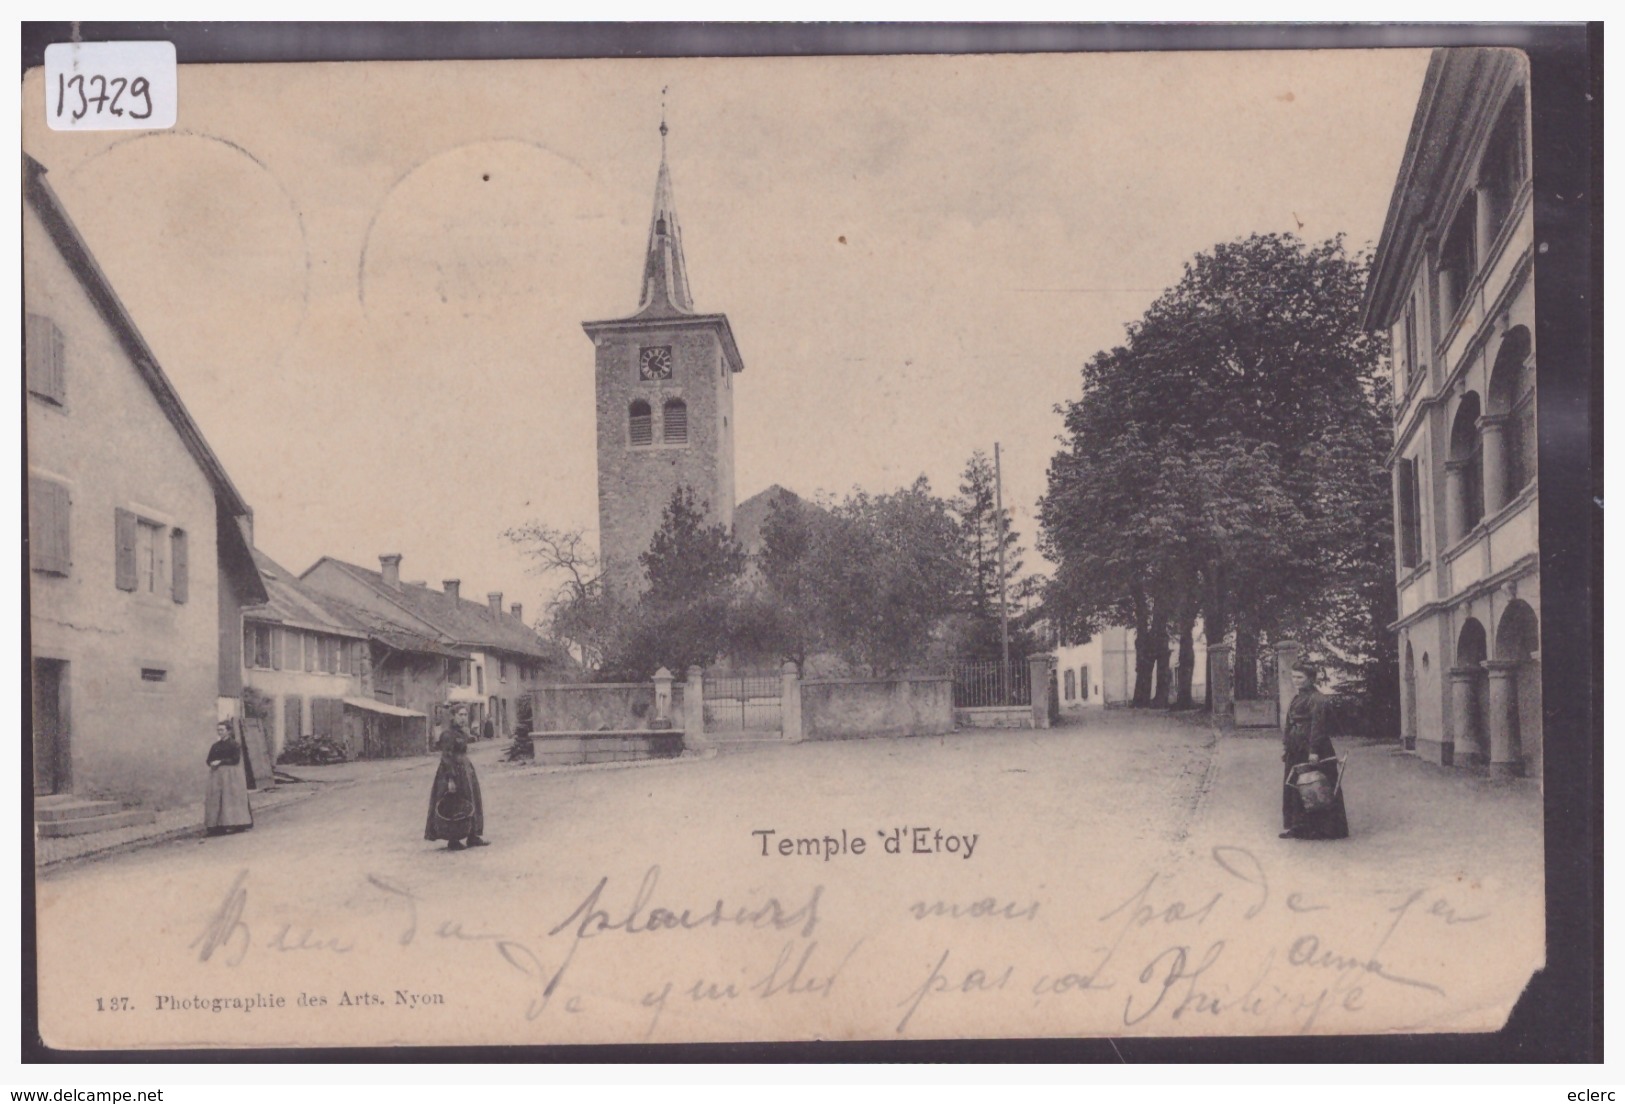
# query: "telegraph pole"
{"points": [[1004, 605]]}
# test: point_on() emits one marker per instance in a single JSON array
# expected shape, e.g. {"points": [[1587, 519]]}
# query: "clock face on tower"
{"points": [[654, 362]]}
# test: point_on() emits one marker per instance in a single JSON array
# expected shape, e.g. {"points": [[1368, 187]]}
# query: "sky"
{"points": [[367, 280]]}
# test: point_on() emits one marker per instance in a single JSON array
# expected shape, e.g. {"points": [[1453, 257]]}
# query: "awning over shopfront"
{"points": [[372, 706]]}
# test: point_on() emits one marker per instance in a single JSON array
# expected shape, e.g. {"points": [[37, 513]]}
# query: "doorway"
{"points": [[52, 758]]}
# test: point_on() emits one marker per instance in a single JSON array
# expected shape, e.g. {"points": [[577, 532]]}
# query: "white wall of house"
{"points": [[110, 445]]}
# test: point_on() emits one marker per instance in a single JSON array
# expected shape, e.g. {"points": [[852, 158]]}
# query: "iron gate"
{"points": [[990, 682], [743, 702]]}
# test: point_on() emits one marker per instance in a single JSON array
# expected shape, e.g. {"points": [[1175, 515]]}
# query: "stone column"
{"points": [[694, 710], [1506, 758], [662, 717], [1492, 429], [790, 703], [1455, 496], [1221, 687], [1465, 732], [1286, 654], [1038, 668], [1485, 223]]}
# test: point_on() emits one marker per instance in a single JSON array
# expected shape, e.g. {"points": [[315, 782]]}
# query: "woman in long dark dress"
{"points": [[225, 801], [1307, 741], [456, 786]]}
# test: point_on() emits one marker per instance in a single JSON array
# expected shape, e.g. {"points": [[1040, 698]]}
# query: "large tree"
{"points": [[578, 615], [684, 618], [870, 579], [1224, 460], [982, 532], [886, 569]]}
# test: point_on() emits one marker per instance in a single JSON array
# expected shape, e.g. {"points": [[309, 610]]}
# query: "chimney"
{"points": [[451, 586], [495, 599], [391, 565], [519, 613], [245, 523]]}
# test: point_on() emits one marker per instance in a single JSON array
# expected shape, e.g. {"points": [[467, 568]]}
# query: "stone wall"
{"points": [[593, 707], [600, 708], [840, 709]]}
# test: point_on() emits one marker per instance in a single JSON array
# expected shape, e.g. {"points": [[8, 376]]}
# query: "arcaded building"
{"points": [[1453, 285]]}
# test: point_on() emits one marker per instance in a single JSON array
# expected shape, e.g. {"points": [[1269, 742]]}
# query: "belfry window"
{"points": [[642, 424], [675, 422]]}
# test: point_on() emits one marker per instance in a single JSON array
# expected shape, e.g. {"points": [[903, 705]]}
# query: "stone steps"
{"points": [[65, 815]]}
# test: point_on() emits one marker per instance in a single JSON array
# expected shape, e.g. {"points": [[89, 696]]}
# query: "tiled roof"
{"points": [[292, 604], [471, 624], [381, 628], [751, 514]]}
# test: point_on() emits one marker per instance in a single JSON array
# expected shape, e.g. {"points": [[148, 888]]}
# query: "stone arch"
{"points": [[1515, 697], [1469, 694], [1510, 444], [1464, 470]]}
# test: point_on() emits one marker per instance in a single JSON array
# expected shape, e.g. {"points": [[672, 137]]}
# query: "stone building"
{"points": [[1100, 671], [304, 657], [664, 387], [139, 560], [488, 658], [1453, 284]]}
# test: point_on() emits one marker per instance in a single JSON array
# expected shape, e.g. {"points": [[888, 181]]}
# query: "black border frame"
{"points": [[1559, 1016]]}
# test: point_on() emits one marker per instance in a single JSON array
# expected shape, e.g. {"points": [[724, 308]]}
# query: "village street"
{"points": [[1118, 875]]}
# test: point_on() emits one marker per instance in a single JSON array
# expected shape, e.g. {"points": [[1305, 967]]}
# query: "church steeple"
{"points": [[665, 276]]}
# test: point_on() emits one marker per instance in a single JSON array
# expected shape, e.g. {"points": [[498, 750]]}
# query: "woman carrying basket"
{"points": [[1319, 813], [456, 812]]}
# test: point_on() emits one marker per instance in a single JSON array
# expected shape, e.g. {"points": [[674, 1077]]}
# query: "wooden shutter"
{"points": [[292, 706], [124, 523], [46, 377], [48, 526], [642, 424], [676, 422], [178, 588]]}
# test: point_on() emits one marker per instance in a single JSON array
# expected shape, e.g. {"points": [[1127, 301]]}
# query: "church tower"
{"points": [[665, 403]]}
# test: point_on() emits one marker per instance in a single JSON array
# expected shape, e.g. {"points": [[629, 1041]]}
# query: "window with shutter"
{"points": [[279, 641], [47, 378], [48, 526], [177, 565], [642, 424], [124, 526], [675, 422]]}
